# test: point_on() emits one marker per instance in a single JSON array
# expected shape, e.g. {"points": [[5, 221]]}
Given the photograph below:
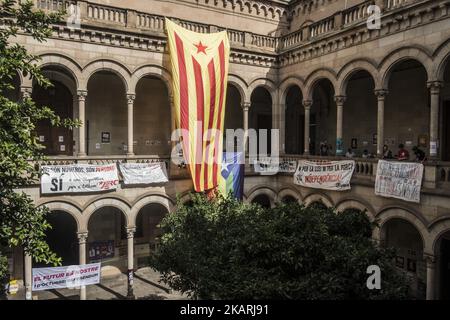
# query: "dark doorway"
{"points": [[446, 131], [445, 269], [57, 140], [262, 200], [264, 122], [62, 238]]}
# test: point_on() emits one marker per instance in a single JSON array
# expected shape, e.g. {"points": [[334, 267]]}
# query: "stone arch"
{"points": [[407, 53], [267, 84], [108, 65], [64, 62], [289, 192], [67, 81], [361, 205], [151, 70], [317, 75], [271, 194], [73, 210], [441, 58], [105, 202], [289, 82], [347, 71], [405, 214], [437, 228], [241, 85], [322, 197], [148, 199]]}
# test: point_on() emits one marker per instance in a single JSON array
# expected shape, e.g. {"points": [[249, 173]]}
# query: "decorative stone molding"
{"points": [[435, 87], [130, 232], [130, 98], [340, 100], [82, 94], [381, 94], [82, 237]]}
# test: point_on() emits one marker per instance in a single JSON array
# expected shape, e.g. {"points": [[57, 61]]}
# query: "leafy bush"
{"points": [[229, 250]]}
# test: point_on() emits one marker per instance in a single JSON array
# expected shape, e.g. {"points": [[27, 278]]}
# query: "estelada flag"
{"points": [[199, 78]]}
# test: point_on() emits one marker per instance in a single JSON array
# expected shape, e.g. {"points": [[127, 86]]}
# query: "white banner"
{"points": [[143, 173], [275, 165], [330, 175], [79, 178], [65, 277], [401, 180]]}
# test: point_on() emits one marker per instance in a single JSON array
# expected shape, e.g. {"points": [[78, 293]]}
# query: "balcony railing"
{"points": [[99, 13]]}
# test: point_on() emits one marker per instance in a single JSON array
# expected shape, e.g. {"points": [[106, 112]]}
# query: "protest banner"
{"points": [[79, 178], [400, 180], [143, 173], [330, 175], [274, 165], [65, 277]]}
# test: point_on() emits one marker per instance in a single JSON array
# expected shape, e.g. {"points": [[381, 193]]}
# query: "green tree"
{"points": [[230, 250], [21, 223]]}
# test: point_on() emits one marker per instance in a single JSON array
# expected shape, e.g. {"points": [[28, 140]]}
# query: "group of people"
{"points": [[403, 153]]}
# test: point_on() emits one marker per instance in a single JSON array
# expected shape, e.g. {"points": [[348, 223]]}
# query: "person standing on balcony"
{"points": [[403, 154], [387, 154]]}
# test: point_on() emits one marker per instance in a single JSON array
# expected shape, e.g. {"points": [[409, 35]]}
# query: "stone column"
{"points": [[130, 147], [82, 94], [28, 261], [130, 273], [307, 105], [82, 239], [381, 97], [431, 265], [435, 88], [246, 108], [340, 100]]}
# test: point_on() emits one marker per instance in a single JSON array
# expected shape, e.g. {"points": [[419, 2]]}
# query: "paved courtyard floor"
{"points": [[146, 287]]}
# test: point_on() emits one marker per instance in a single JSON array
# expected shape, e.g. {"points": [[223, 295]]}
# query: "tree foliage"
{"points": [[229, 250], [21, 223]]}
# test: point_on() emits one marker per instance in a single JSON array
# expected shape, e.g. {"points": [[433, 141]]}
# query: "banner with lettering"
{"points": [[328, 175], [65, 277], [77, 178], [274, 165], [401, 180], [143, 173]]}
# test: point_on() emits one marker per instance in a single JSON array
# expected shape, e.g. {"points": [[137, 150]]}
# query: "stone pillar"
{"points": [[28, 261], [282, 128], [340, 100], [130, 147], [307, 105], [381, 97], [431, 265], [82, 94], [130, 273], [246, 109], [82, 239], [435, 88]]}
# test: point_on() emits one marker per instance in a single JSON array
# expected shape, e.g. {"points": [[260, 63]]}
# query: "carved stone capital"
{"points": [[130, 98], [82, 237], [246, 106], [82, 94], [130, 232], [340, 100], [435, 87], [26, 92], [429, 259], [307, 104], [381, 94]]}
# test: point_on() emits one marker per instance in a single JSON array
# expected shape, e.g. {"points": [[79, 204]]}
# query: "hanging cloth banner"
{"points": [[65, 277], [401, 180], [76, 178], [143, 173], [199, 78], [329, 175]]}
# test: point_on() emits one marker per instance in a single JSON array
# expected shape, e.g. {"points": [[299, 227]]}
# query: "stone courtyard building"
{"points": [[311, 68]]}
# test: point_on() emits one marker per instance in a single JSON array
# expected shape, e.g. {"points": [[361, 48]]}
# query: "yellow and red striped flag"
{"points": [[199, 78]]}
